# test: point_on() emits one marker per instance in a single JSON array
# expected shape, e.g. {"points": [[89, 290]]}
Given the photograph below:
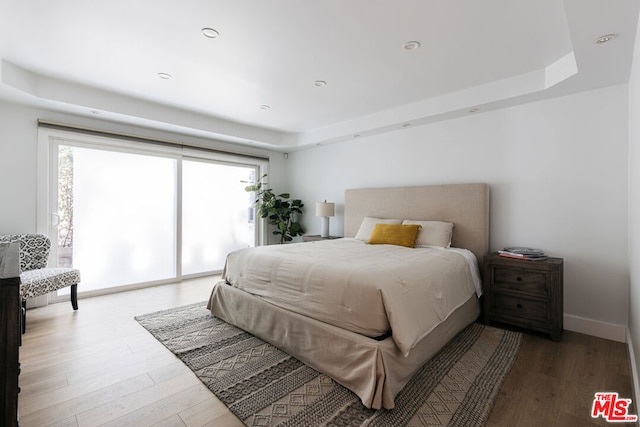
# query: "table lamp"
{"points": [[325, 210]]}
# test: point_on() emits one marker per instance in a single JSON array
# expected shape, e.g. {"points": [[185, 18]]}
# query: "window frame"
{"points": [[47, 188]]}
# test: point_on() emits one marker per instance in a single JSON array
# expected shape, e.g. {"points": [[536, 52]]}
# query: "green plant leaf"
{"points": [[278, 209]]}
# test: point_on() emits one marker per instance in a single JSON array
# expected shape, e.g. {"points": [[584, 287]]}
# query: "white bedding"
{"points": [[367, 289]]}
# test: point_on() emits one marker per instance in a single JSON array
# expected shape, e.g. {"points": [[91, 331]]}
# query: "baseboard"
{"points": [[39, 301], [634, 370], [610, 331]]}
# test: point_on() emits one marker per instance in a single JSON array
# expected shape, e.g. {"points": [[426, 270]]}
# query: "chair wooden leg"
{"points": [[24, 316], [74, 304], [74, 296]]}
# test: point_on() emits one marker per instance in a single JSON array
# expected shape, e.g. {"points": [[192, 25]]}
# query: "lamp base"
{"points": [[325, 226]]}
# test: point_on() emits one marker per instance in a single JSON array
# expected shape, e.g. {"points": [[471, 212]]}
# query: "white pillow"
{"points": [[432, 233], [367, 224]]}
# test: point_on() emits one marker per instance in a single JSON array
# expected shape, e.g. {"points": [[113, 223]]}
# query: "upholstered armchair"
{"points": [[36, 279]]}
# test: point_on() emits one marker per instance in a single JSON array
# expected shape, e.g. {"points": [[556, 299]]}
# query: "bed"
{"points": [[376, 354]]}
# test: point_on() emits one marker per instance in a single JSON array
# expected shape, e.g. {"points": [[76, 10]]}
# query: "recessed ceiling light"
{"points": [[165, 76], [412, 45], [264, 107], [320, 83], [210, 33], [604, 39]]}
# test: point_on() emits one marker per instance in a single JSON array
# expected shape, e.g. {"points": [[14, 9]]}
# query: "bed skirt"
{"points": [[374, 370]]}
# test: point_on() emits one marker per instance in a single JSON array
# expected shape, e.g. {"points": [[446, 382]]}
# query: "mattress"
{"points": [[372, 290]]}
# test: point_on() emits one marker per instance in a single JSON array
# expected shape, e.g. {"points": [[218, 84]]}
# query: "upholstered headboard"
{"points": [[465, 205]]}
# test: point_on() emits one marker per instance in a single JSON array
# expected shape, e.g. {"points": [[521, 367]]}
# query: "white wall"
{"points": [[18, 162], [17, 170], [558, 176], [634, 214], [557, 170]]}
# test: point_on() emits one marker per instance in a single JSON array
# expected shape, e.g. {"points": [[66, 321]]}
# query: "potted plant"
{"points": [[279, 210]]}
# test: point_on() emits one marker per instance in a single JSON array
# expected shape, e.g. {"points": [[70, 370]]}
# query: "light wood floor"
{"points": [[97, 366]]}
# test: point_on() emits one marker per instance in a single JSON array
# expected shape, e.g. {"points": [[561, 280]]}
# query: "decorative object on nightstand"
{"points": [[519, 252], [316, 237], [525, 293], [325, 210]]}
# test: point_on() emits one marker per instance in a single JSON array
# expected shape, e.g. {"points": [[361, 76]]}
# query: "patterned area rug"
{"points": [[264, 386]]}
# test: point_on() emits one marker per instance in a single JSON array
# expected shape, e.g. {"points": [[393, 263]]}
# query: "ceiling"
{"points": [[258, 81]]}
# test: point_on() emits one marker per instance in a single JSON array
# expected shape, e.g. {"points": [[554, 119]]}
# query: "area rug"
{"points": [[263, 386]]}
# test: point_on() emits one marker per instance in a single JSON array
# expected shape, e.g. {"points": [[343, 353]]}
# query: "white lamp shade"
{"points": [[325, 209]]}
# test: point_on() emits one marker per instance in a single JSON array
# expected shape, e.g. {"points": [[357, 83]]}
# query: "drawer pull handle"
{"points": [[519, 305], [519, 279]]}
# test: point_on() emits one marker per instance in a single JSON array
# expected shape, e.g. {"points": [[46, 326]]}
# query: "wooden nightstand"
{"points": [[315, 237], [524, 293]]}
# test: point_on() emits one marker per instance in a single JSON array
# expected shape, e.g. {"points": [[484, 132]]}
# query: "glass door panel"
{"points": [[215, 214], [119, 224]]}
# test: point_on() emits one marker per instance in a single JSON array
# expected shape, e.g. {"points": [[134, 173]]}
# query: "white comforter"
{"points": [[367, 289]]}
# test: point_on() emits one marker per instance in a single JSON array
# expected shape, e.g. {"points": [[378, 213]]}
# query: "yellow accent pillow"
{"points": [[394, 234]]}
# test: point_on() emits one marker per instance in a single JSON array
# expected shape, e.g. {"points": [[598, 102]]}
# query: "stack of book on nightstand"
{"points": [[528, 254]]}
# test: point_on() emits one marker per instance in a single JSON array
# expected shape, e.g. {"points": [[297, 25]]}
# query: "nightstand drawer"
{"points": [[521, 280], [532, 310]]}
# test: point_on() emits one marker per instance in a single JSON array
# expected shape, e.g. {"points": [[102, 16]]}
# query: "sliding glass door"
{"points": [[128, 217], [123, 217], [215, 214]]}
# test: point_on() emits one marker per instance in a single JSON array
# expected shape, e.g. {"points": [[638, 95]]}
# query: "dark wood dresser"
{"points": [[10, 336], [524, 293]]}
